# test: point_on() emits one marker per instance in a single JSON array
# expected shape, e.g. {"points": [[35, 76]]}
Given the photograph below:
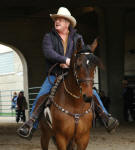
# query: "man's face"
{"points": [[61, 24]]}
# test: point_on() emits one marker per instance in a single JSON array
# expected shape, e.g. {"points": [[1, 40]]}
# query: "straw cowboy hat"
{"points": [[65, 13]]}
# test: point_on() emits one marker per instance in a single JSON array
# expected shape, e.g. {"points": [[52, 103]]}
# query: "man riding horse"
{"points": [[58, 46]]}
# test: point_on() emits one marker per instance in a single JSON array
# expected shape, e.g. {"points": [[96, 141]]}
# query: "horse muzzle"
{"points": [[87, 99]]}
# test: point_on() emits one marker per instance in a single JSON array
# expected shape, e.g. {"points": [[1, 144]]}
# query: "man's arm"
{"points": [[50, 53]]}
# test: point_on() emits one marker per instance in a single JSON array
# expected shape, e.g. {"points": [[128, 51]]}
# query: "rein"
{"points": [[49, 72], [70, 93]]}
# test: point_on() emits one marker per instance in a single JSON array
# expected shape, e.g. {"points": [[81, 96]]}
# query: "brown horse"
{"points": [[71, 115]]}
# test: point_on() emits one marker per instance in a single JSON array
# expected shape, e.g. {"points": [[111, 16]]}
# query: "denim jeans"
{"points": [[100, 101]]}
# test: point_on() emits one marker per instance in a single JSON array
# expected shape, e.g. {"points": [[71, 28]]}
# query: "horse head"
{"points": [[83, 64]]}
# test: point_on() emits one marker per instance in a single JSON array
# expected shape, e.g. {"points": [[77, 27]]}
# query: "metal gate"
{"points": [[33, 91], [6, 102]]}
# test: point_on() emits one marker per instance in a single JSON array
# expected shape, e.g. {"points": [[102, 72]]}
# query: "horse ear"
{"points": [[94, 45], [79, 44]]}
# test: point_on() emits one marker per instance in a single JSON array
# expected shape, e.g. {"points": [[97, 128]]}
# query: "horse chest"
{"points": [[65, 124]]}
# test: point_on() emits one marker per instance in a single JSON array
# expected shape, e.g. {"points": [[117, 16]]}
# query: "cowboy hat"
{"points": [[65, 13]]}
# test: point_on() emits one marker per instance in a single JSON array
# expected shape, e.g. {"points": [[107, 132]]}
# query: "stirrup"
{"points": [[111, 128], [28, 136]]}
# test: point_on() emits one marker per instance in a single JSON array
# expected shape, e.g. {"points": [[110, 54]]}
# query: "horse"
{"points": [[71, 109]]}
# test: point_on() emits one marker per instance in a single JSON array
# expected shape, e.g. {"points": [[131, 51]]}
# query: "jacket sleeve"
{"points": [[50, 53]]}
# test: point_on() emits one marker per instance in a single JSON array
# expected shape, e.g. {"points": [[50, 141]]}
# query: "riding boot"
{"points": [[26, 130], [110, 122]]}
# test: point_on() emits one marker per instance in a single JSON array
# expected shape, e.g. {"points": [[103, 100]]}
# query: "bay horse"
{"points": [[71, 115]]}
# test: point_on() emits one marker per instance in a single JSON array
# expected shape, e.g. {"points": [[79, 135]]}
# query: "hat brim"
{"points": [[70, 18]]}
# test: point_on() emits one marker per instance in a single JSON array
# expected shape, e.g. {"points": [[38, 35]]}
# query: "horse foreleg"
{"points": [[45, 136], [44, 142], [61, 142], [82, 142]]}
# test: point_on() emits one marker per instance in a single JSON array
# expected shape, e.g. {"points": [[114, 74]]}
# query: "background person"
{"points": [[127, 99], [21, 107], [14, 100]]}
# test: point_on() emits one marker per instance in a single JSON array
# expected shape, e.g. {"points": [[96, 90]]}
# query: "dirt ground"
{"points": [[122, 139]]}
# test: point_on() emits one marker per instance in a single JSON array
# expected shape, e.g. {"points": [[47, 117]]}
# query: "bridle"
{"points": [[78, 80]]}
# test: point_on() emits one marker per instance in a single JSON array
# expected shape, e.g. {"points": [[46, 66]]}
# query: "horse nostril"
{"points": [[87, 99]]}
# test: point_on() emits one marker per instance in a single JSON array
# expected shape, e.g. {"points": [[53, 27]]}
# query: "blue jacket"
{"points": [[53, 49]]}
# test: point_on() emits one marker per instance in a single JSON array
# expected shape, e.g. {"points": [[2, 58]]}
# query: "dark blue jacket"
{"points": [[54, 51]]}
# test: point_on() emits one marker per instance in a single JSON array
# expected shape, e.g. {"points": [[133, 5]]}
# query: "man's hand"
{"points": [[68, 61], [64, 66], [67, 64]]}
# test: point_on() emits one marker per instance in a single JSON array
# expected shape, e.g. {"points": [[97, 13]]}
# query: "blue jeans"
{"points": [[46, 87], [100, 101]]}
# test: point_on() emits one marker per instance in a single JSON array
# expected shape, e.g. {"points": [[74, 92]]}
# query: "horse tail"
{"points": [[71, 145]]}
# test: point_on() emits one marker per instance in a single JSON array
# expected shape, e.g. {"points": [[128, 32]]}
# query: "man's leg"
{"points": [[23, 116], [110, 122], [100, 101], [38, 105], [18, 112]]}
